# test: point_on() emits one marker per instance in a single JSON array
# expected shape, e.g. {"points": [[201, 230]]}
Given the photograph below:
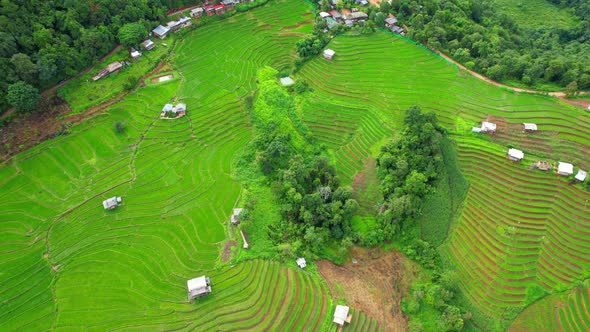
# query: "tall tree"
{"points": [[131, 34], [22, 96]]}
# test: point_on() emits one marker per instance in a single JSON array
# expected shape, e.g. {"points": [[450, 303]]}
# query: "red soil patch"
{"points": [[226, 254], [374, 285]]}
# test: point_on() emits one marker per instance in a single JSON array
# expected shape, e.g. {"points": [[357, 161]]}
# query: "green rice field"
{"points": [[68, 264]]}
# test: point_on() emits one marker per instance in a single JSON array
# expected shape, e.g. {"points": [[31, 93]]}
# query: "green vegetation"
{"points": [[82, 92], [517, 241], [532, 43], [22, 96], [44, 42]]}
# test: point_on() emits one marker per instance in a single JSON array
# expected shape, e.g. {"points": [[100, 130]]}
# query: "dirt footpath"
{"points": [[375, 284]]}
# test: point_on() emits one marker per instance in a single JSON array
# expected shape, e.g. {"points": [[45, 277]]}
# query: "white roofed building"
{"points": [[161, 31], [287, 81], [581, 176], [301, 262], [488, 127], [235, 217], [529, 127], [111, 203], [515, 155], [341, 315], [565, 169], [329, 54], [198, 287], [324, 14]]}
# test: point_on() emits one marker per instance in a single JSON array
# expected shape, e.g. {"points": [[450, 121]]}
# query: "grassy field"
{"points": [[520, 233], [535, 14], [66, 263]]}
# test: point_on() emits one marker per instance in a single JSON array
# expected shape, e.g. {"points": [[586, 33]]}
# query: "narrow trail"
{"points": [[559, 94]]}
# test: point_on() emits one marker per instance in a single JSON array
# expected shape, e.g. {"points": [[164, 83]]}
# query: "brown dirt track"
{"points": [[374, 285]]}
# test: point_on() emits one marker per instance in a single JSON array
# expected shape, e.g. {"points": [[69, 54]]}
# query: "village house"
{"points": [[209, 10], [301, 262], [529, 127], [361, 2], [330, 22], [148, 45], [197, 12], [515, 155], [341, 315], [111, 68], [397, 29], [486, 127], [324, 14], [287, 81], [111, 203], [329, 54], [198, 287], [565, 169], [171, 111], [161, 31], [581, 176], [229, 4], [357, 16], [219, 9], [134, 54], [390, 21], [235, 217], [337, 16], [349, 23]]}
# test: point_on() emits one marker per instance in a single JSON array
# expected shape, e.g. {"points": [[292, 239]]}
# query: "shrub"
{"points": [[119, 127]]}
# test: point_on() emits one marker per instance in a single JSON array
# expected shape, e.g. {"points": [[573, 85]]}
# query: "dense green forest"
{"points": [[482, 37], [44, 42]]}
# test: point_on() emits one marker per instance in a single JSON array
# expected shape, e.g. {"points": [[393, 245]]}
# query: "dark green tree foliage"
{"points": [[407, 167], [314, 207], [476, 34], [43, 42], [23, 96], [131, 34]]}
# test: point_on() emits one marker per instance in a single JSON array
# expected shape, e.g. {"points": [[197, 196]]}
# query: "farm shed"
{"points": [[488, 127], [161, 31], [167, 108], [197, 12], [329, 54], [581, 176], [148, 45], [287, 81], [529, 127], [235, 217], [198, 287], [179, 108], [476, 129], [515, 155], [565, 169], [301, 262], [341, 315], [135, 54], [111, 203], [111, 68]]}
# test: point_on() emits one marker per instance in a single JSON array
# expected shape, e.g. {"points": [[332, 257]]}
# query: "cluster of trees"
{"points": [[43, 42], [408, 166], [315, 208], [477, 34]]}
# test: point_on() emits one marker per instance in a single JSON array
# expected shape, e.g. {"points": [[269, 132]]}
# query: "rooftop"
{"points": [[340, 314], [161, 30], [581, 176], [286, 81], [301, 262], [565, 168], [516, 154], [529, 126], [329, 52], [196, 283]]}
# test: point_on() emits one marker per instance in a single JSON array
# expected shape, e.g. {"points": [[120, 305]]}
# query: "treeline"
{"points": [[44, 42], [476, 34], [316, 211], [408, 167]]}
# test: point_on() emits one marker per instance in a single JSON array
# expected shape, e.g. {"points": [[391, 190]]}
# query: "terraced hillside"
{"points": [[68, 264], [568, 311], [520, 231]]}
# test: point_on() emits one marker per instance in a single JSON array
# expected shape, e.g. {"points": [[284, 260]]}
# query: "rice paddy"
{"points": [[66, 263]]}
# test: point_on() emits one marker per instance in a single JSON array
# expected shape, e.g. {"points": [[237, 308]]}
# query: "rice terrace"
{"points": [[203, 194]]}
